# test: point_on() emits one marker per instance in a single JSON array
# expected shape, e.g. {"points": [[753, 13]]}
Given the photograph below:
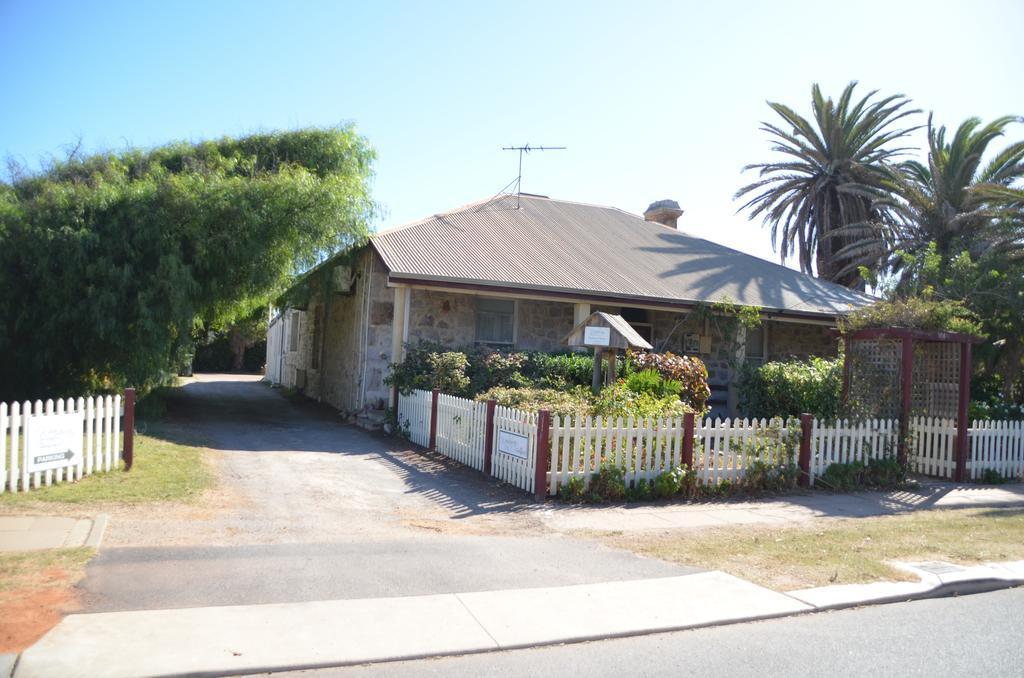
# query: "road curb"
{"points": [[99, 527], [935, 580]]}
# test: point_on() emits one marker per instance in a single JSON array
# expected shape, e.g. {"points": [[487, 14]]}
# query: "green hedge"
{"points": [[788, 389]]}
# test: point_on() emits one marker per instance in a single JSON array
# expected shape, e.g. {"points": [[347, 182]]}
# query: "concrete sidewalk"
{"points": [[258, 638], [791, 510], [33, 533]]}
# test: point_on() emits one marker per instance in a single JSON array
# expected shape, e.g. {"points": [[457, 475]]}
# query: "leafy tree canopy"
{"points": [[111, 260]]}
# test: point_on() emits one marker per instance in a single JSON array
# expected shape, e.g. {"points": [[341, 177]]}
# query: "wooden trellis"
{"points": [[892, 372]]}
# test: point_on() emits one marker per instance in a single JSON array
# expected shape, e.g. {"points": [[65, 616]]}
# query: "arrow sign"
{"points": [[53, 441], [59, 456]]}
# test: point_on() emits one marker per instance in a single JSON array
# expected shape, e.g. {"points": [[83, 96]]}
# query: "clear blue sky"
{"points": [[654, 100]]}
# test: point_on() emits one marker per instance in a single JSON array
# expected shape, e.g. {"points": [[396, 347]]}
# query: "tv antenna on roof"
{"points": [[526, 148]]}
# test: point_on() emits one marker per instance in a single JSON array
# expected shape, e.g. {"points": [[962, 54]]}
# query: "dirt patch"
{"points": [[38, 590]]}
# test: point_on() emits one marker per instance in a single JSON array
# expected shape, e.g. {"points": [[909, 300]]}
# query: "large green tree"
{"points": [[830, 176], [954, 229], [953, 202], [110, 261]]}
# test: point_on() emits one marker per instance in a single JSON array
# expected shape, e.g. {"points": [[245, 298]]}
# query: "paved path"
{"points": [[975, 636], [32, 533], [216, 640], [310, 509]]}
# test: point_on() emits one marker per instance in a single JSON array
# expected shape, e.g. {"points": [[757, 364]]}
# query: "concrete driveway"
{"points": [[309, 508]]}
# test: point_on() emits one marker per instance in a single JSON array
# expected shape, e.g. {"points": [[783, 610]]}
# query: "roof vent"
{"points": [[664, 212]]}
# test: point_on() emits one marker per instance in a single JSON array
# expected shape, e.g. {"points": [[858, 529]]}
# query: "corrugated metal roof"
{"points": [[567, 247]]}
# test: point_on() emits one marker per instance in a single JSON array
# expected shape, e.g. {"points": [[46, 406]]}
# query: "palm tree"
{"points": [[831, 178], [954, 201]]}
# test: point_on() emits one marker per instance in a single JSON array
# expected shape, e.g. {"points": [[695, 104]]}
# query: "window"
{"points": [[755, 344], [495, 321], [318, 319], [293, 332]]}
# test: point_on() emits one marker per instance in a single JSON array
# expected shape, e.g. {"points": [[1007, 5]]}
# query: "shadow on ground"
{"points": [[241, 414]]}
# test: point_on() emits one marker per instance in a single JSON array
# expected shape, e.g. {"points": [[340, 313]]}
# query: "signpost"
{"points": [[513, 444], [597, 336], [53, 441]]}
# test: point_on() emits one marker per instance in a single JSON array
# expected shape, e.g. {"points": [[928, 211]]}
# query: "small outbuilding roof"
{"points": [[623, 334], [553, 247]]}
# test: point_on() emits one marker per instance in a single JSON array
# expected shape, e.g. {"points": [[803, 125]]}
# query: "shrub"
{"points": [[607, 485], [763, 477], [990, 476], [642, 491], [788, 389], [488, 369], [558, 370], [914, 313], [619, 400], [574, 402], [428, 366], [691, 373], [650, 381], [573, 491], [995, 409], [669, 483], [877, 473]]}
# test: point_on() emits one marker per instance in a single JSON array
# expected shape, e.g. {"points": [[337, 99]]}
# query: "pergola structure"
{"points": [[900, 372]]}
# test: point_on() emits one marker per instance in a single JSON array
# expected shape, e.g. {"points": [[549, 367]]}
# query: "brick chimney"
{"points": [[664, 212]]}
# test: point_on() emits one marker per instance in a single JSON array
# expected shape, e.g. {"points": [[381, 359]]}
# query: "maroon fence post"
{"points": [[129, 428], [963, 446], [489, 436], [540, 474], [433, 420], [688, 440], [394, 400], [805, 449]]}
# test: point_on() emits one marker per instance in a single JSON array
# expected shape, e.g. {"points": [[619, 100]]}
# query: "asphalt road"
{"points": [[978, 635], [309, 508], [162, 578]]}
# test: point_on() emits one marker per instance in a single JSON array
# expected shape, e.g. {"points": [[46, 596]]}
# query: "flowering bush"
{"points": [[691, 373], [621, 401]]}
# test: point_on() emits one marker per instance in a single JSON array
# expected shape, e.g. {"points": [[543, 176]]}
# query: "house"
{"points": [[520, 272]]}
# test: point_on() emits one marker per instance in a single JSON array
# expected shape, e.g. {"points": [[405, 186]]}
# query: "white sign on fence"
{"points": [[513, 444], [53, 441], [597, 336]]}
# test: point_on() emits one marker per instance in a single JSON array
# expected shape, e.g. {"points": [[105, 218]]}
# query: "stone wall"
{"points": [[542, 325], [357, 332], [800, 340], [442, 317], [450, 319], [356, 338]]}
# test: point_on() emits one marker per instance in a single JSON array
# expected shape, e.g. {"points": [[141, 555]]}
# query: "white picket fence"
{"points": [[843, 442], [101, 440], [933, 450], [414, 416], [726, 449], [515, 470], [723, 450], [997, 446], [461, 430]]}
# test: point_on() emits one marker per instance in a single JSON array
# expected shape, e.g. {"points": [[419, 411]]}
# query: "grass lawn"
{"points": [[164, 470], [839, 551]]}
